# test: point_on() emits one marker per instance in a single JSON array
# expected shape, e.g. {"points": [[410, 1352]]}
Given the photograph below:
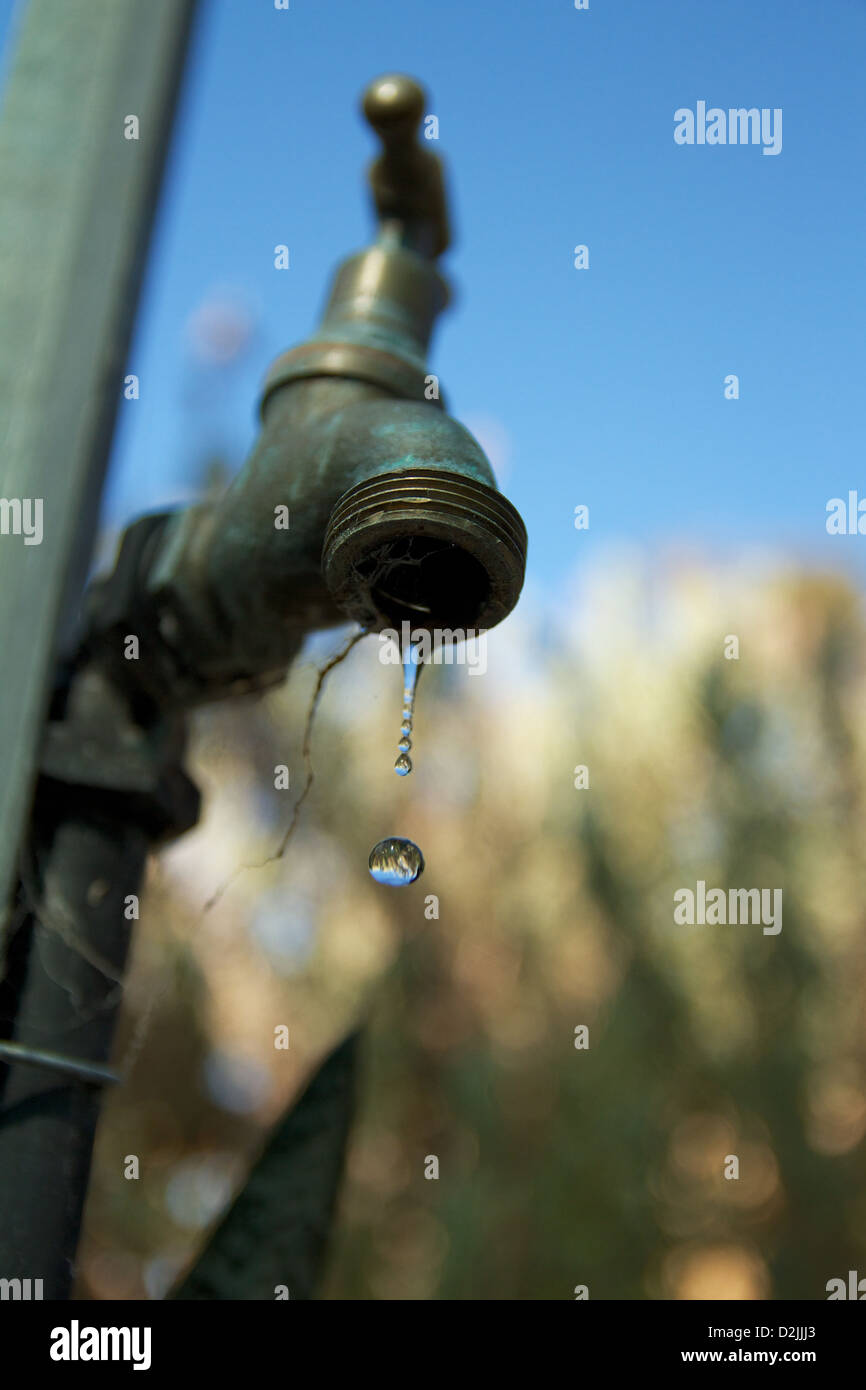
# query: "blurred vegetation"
{"points": [[557, 1167]]}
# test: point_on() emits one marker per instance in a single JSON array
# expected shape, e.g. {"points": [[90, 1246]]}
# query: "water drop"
{"points": [[396, 862], [404, 745], [403, 765]]}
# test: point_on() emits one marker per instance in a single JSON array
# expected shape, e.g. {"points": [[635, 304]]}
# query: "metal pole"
{"points": [[84, 132], [75, 218]]}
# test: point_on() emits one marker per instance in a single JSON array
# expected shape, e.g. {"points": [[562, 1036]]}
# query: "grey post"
{"points": [[75, 216]]}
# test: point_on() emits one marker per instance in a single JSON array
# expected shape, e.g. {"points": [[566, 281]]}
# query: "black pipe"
{"points": [[61, 994]]}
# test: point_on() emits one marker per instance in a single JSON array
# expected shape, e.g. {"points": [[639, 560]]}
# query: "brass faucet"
{"points": [[362, 498]]}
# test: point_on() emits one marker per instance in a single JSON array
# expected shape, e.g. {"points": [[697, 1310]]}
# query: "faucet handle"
{"points": [[406, 180]]}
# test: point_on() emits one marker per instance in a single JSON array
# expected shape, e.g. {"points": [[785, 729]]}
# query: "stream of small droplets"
{"points": [[411, 666], [397, 861]]}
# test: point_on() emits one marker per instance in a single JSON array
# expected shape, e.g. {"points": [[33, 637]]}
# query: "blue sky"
{"points": [[602, 386]]}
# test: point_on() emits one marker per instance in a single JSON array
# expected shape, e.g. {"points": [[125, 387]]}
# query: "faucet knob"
{"points": [[406, 180]]}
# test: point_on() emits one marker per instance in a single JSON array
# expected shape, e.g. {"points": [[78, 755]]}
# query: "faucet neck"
{"points": [[376, 328], [385, 300]]}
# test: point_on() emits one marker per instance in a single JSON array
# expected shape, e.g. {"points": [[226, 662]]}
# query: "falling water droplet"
{"points": [[396, 862], [411, 667]]}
